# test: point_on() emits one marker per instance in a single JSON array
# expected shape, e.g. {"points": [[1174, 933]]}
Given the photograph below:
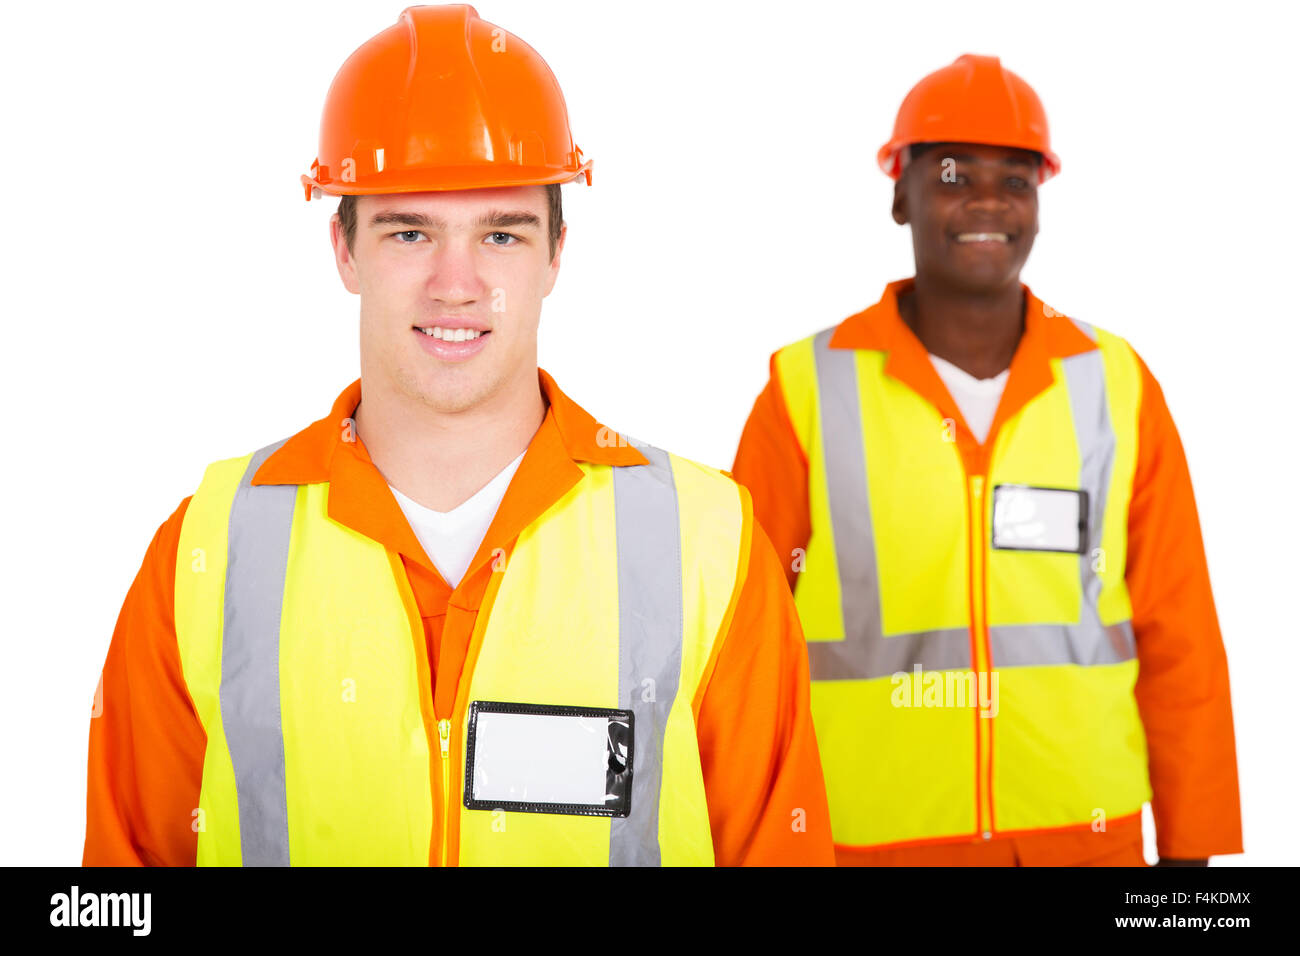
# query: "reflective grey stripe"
{"points": [[1039, 645], [649, 639], [650, 650], [256, 561], [1089, 641], [876, 656], [865, 653]]}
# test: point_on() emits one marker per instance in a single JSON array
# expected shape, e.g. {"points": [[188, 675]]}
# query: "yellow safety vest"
{"points": [[304, 653], [962, 690]]}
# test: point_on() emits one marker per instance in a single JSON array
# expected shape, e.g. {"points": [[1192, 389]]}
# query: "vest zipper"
{"points": [[451, 808], [983, 728], [444, 742]]}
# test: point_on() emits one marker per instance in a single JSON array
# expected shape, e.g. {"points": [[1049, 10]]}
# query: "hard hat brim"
{"points": [[448, 178], [890, 157]]}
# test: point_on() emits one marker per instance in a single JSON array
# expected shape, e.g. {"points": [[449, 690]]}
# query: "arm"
{"points": [[762, 771], [771, 464], [1182, 686], [146, 744]]}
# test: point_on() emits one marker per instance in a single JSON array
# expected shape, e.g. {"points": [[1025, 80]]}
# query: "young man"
{"points": [[456, 620], [992, 538]]}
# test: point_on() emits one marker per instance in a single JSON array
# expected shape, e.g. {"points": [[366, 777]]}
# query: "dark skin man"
{"points": [[973, 210]]}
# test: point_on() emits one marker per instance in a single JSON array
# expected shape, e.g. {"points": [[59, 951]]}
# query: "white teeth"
{"points": [[982, 237], [451, 335]]}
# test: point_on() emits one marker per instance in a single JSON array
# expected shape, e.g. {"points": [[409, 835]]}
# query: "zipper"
{"points": [[444, 744], [983, 729], [427, 684], [450, 754]]}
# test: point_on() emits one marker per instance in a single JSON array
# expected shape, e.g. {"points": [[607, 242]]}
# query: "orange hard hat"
{"points": [[972, 100], [443, 100]]}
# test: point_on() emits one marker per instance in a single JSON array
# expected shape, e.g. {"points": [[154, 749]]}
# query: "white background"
{"points": [[170, 298]]}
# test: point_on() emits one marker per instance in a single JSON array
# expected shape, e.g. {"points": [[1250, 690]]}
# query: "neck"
{"points": [[976, 331], [440, 459]]}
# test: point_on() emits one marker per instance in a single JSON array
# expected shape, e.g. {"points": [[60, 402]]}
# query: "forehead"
{"points": [[979, 153], [456, 204]]}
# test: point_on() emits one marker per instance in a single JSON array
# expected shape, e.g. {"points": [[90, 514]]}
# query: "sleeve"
{"points": [[1182, 685], [146, 742], [771, 463], [762, 772]]}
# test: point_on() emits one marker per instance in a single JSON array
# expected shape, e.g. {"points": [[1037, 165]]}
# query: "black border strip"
{"points": [[620, 809], [1083, 519]]}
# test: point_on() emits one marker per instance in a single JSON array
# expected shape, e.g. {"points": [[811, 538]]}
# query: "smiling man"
{"points": [[993, 542], [456, 620]]}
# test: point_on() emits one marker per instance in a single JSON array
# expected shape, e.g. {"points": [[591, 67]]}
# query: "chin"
{"points": [[980, 281], [450, 397], [447, 390]]}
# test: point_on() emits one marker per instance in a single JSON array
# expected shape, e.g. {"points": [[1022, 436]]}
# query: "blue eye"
{"points": [[502, 235], [408, 232]]}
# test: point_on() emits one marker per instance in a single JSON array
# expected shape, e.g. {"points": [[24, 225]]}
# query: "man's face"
{"points": [[973, 210], [473, 260]]}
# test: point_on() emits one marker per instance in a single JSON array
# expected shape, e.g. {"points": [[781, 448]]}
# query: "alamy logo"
{"points": [[101, 909]]}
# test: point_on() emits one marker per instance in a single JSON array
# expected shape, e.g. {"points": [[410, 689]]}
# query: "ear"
{"points": [[343, 259], [553, 271], [899, 209]]}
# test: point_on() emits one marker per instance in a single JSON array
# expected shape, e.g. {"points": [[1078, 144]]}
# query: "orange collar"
{"points": [[359, 496], [1048, 334], [305, 458]]}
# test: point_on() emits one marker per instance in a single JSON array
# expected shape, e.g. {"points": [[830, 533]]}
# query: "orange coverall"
{"points": [[762, 772], [1182, 686]]}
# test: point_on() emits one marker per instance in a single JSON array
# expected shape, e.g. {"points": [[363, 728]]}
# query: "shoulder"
{"points": [[217, 487], [794, 380], [225, 474], [1125, 376], [208, 513], [701, 484], [713, 509], [162, 551], [1068, 334], [808, 342], [1105, 339], [801, 352]]}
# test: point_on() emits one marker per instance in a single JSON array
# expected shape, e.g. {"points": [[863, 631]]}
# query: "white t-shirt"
{"points": [[976, 397], [451, 538]]}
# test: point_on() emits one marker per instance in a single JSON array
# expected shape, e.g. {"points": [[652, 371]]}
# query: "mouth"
{"points": [[451, 344], [984, 238], [451, 335]]}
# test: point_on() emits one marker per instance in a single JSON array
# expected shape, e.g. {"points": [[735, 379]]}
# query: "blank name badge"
{"points": [[539, 758], [1026, 518]]}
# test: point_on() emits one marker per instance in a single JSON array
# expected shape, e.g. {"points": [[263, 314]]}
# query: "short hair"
{"points": [[348, 217]]}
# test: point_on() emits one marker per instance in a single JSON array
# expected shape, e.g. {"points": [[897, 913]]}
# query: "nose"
{"points": [[992, 205], [454, 274], [987, 197]]}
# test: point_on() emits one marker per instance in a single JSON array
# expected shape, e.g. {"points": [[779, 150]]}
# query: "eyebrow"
{"points": [[968, 158], [495, 219]]}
